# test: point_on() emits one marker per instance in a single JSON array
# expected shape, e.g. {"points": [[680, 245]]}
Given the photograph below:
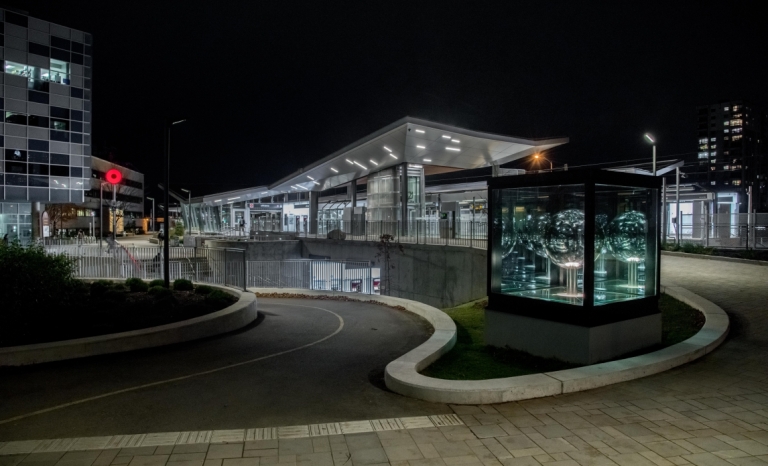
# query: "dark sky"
{"points": [[270, 86]]}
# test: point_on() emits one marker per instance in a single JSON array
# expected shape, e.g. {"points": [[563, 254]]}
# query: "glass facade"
{"points": [[46, 111], [582, 244], [16, 221]]}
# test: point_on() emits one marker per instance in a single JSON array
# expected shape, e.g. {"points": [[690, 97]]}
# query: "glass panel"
{"points": [[625, 246], [59, 72], [541, 247]]}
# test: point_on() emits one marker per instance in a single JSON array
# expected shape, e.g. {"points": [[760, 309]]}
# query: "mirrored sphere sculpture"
{"points": [[564, 239], [535, 230], [626, 236]]}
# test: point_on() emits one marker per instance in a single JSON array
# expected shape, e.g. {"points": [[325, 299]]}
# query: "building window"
{"points": [[712, 183], [737, 130], [703, 141], [712, 168], [737, 122], [735, 182], [725, 109], [736, 137], [703, 155], [736, 108], [15, 118], [725, 123], [713, 146], [59, 71], [726, 131], [726, 138], [713, 139], [18, 69]]}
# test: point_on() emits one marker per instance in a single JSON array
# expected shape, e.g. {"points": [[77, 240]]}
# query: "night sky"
{"points": [[268, 87]]}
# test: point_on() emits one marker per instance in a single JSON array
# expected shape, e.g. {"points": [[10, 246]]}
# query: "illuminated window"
{"points": [[725, 123], [736, 130], [704, 146], [713, 147], [713, 139], [59, 71], [726, 131], [726, 109], [703, 155], [737, 122], [711, 168], [736, 108], [738, 115], [726, 138], [735, 182], [736, 137], [703, 141], [726, 167], [712, 183]]}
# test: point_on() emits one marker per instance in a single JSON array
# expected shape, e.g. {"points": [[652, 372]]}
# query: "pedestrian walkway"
{"points": [[712, 412]]}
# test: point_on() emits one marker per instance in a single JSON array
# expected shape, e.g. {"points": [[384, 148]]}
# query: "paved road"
{"points": [[337, 379]]}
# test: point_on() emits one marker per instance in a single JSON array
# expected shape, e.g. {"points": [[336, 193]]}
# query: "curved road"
{"points": [[339, 378]]}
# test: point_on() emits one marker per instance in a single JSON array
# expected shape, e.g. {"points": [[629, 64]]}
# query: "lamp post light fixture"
{"points": [[649, 137], [538, 156], [166, 243], [153, 212]]}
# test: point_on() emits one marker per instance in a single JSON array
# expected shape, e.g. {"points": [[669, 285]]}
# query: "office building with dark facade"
{"points": [[731, 154], [45, 134]]}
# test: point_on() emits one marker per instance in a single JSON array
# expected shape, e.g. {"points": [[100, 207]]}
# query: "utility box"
{"points": [[573, 260]]}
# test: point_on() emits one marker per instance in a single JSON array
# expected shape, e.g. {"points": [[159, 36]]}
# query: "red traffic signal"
{"points": [[114, 176]]}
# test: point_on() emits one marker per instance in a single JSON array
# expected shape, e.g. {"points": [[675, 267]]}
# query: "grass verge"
{"points": [[471, 359]]}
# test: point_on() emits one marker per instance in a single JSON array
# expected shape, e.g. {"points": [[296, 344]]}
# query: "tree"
{"points": [[386, 247], [60, 213]]}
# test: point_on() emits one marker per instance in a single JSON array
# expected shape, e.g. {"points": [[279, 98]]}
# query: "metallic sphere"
{"points": [[564, 239], [626, 236]]}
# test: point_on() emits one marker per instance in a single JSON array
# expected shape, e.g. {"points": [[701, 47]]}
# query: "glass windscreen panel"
{"points": [[625, 246], [540, 254]]}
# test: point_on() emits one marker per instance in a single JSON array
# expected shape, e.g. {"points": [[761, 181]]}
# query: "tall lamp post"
{"points": [[650, 138], [166, 244], [153, 212], [538, 156]]}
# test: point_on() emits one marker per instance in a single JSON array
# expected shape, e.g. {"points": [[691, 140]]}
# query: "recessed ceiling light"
{"points": [[420, 147], [446, 137], [420, 131], [387, 149], [393, 156], [334, 170], [349, 161], [233, 198], [265, 192], [455, 140], [361, 166], [371, 160], [316, 182], [455, 149], [302, 187], [427, 160], [217, 200], [310, 178]]}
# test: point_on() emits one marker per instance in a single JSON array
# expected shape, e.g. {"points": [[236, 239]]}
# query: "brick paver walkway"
{"points": [[713, 412]]}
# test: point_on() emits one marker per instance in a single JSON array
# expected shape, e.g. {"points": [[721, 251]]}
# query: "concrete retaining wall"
{"points": [[440, 276], [236, 316], [262, 250]]}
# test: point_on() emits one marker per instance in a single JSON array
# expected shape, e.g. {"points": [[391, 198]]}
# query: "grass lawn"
{"points": [[471, 359]]}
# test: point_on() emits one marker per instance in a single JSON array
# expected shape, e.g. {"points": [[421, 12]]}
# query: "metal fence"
{"points": [[723, 230], [438, 232], [221, 266]]}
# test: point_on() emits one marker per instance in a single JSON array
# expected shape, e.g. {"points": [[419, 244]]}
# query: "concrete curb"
{"points": [[236, 316], [714, 258], [402, 375]]}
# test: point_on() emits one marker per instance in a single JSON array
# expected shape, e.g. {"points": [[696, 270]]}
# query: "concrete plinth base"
{"points": [[568, 342]]}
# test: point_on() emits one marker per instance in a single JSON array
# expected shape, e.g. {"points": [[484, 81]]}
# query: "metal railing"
{"points": [[221, 266], [723, 230], [437, 232]]}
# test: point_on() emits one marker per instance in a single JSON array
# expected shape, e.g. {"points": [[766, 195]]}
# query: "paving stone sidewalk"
{"points": [[713, 412]]}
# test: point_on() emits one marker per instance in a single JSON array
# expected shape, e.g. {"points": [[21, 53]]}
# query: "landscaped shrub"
{"points": [[158, 282], [99, 287], [219, 299], [153, 290], [136, 284], [32, 281], [182, 284], [203, 289]]}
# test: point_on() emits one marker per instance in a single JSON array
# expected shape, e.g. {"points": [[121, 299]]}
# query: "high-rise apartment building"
{"points": [[731, 152], [45, 133]]}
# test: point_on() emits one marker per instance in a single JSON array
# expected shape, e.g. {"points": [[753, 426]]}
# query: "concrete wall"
{"points": [[440, 276], [262, 250]]}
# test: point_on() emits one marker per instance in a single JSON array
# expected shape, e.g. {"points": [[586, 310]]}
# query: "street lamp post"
{"points": [[537, 157], [153, 212], [166, 243], [651, 139]]}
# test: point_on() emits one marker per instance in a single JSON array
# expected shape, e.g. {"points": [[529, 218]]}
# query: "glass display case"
{"points": [[565, 241]]}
